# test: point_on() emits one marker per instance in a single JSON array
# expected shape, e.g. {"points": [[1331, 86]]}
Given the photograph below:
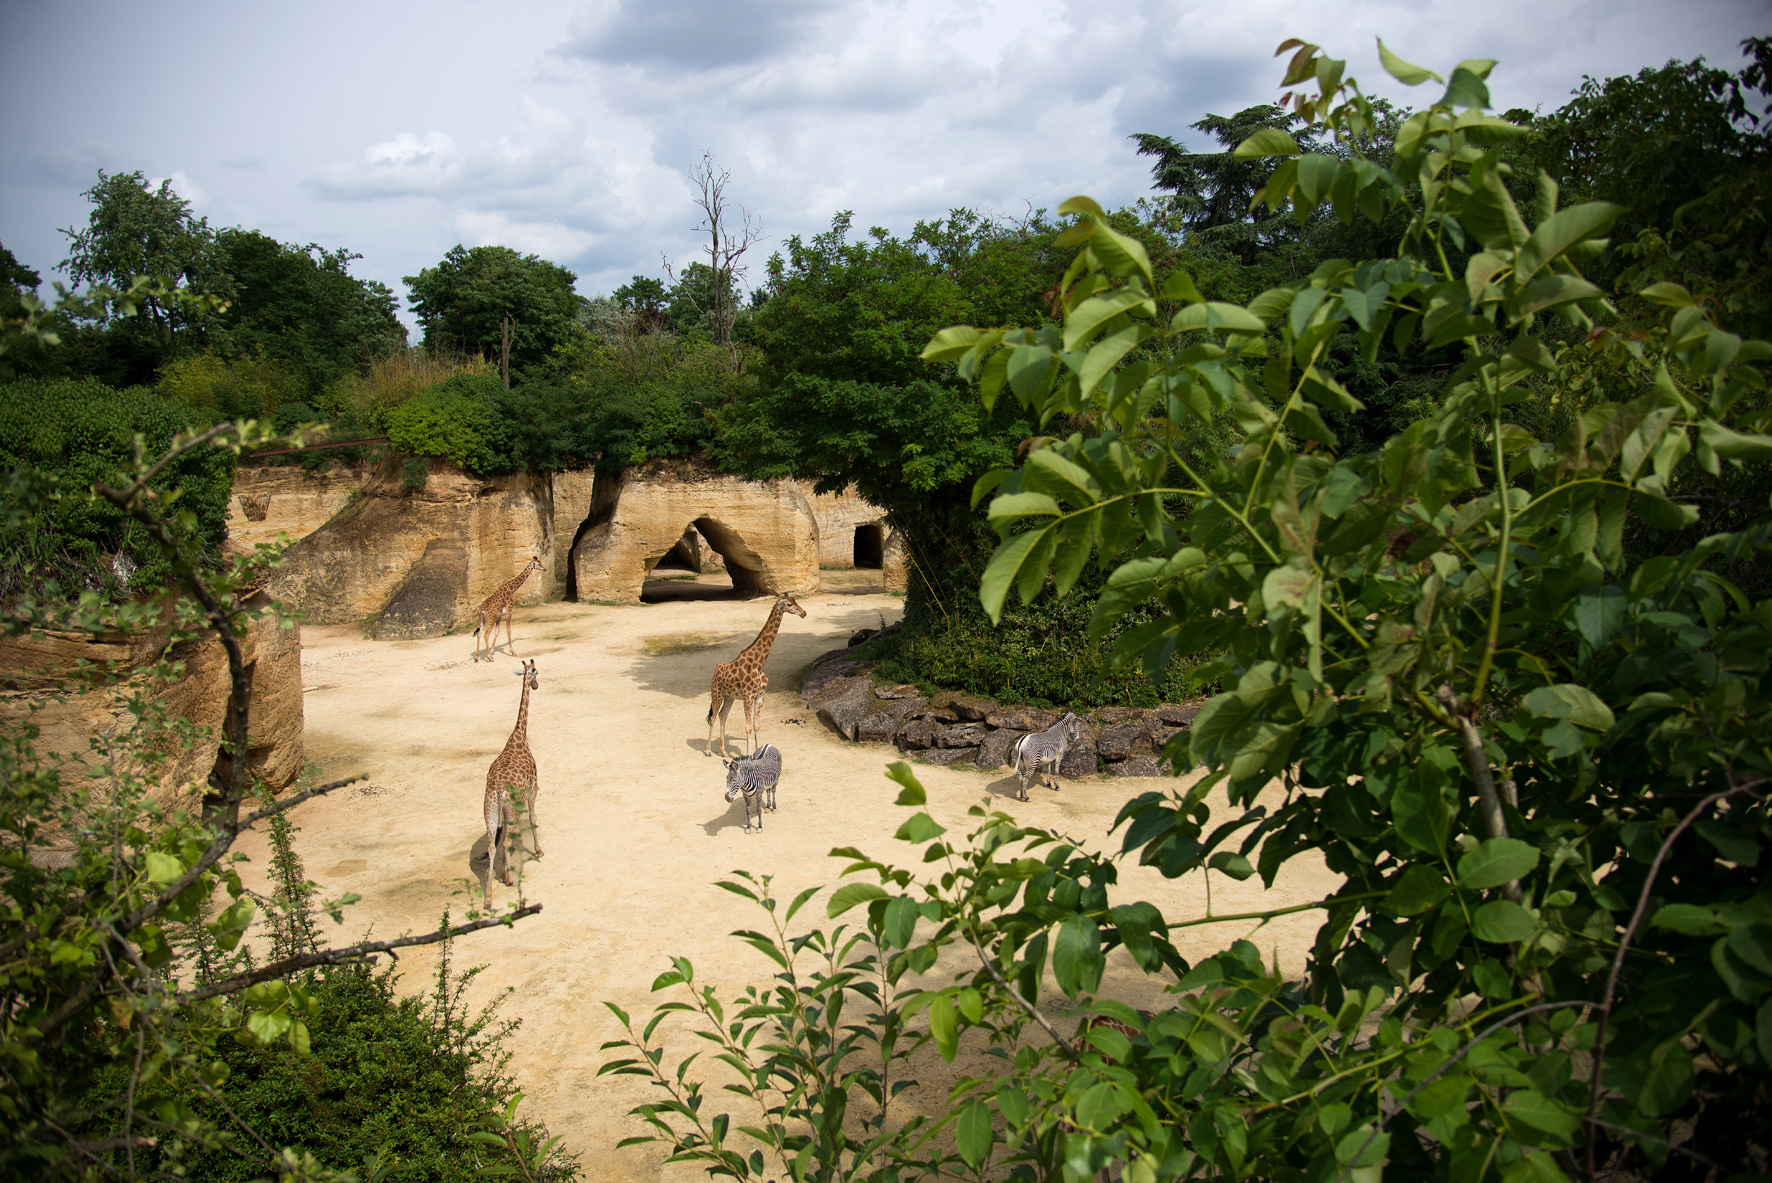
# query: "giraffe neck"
{"points": [[510, 588], [759, 648], [521, 733]]}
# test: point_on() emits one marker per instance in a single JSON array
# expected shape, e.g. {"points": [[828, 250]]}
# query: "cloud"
{"points": [[75, 164], [184, 186], [244, 163], [550, 240], [688, 33]]}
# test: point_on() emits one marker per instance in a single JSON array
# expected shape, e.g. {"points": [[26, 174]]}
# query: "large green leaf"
{"points": [[1006, 568], [1573, 702], [1086, 319], [1419, 888], [1269, 141], [1562, 230], [1496, 861], [1076, 956], [851, 894], [972, 1134], [1401, 70], [1503, 922]]}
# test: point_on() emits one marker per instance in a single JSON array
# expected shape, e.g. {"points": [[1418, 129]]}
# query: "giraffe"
{"points": [[499, 604], [742, 679], [513, 773]]}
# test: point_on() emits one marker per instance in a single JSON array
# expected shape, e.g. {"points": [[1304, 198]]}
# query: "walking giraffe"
{"points": [[513, 773], [742, 679], [499, 604]]}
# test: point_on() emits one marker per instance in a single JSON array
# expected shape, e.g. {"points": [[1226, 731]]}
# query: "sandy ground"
{"points": [[636, 830]]}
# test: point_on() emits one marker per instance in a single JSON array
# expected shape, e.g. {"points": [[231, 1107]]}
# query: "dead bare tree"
{"points": [[729, 237]]}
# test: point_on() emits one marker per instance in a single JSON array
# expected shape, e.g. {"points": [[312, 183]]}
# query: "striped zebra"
{"points": [[1045, 749], [754, 776]]}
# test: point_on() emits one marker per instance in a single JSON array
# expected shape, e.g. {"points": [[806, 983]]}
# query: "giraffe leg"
{"points": [[534, 825], [492, 828], [510, 833], [510, 617], [725, 710]]}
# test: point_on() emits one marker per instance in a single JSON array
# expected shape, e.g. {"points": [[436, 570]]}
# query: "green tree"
{"points": [[139, 229], [1213, 191], [301, 307], [462, 301]]}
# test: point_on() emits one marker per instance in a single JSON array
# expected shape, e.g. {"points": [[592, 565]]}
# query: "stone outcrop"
{"points": [[571, 505], [418, 562], [268, 501], [895, 570], [764, 531], [38, 682], [952, 729], [851, 532]]}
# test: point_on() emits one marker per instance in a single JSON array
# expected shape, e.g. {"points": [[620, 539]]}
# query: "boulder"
{"points": [[968, 735], [435, 553], [37, 683], [1177, 716], [920, 733], [828, 679], [993, 749], [902, 690], [1139, 766], [1023, 719], [844, 712], [268, 501], [883, 724], [763, 530], [973, 708], [1123, 740], [1112, 716], [944, 755], [1079, 758]]}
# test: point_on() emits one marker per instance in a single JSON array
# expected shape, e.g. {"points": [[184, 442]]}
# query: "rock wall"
{"points": [[977, 731], [764, 531], [268, 501], [571, 506], [839, 516], [418, 562], [36, 684]]}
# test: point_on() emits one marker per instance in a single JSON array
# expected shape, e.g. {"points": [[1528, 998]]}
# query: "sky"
{"points": [[570, 130]]}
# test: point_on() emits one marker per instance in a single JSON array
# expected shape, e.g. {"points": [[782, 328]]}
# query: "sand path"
{"points": [[635, 827]]}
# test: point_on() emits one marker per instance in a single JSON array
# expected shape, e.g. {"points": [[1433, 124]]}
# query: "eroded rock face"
{"points": [[764, 531], [851, 531], [36, 674], [268, 501], [419, 562], [571, 506]]}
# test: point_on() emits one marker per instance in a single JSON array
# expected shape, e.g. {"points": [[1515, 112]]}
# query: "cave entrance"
{"points": [[870, 546], [709, 562]]}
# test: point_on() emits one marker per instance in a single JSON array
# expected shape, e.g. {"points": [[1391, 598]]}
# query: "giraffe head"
{"points": [[528, 673], [789, 604], [534, 565]]}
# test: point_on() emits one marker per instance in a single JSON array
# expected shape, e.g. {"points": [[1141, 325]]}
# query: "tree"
{"points": [[1213, 190], [301, 306], [138, 230], [713, 294], [463, 301]]}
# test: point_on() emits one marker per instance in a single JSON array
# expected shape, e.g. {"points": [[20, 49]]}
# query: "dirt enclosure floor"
{"points": [[636, 830]]}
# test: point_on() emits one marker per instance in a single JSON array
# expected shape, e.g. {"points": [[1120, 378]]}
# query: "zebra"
{"points": [[755, 776], [1045, 749]]}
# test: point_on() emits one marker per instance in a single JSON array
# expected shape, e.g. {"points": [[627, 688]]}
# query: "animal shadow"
{"points": [[480, 861], [733, 818]]}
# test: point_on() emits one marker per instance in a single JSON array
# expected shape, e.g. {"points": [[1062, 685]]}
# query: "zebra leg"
{"points": [[770, 805]]}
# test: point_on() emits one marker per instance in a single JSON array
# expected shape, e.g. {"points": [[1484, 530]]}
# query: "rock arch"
{"points": [[764, 531]]}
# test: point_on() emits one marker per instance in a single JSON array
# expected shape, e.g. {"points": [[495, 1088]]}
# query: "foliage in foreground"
{"points": [[102, 883], [1539, 762]]}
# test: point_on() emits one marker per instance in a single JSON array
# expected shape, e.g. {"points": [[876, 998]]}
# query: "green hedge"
{"points": [[459, 420], [84, 431]]}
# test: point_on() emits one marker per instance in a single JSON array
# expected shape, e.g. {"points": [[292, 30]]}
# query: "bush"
{"points": [[249, 386], [415, 1076], [390, 380], [458, 420], [82, 431]]}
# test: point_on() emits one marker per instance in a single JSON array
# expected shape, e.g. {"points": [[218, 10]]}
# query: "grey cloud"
{"points": [[690, 33], [244, 163], [75, 164]]}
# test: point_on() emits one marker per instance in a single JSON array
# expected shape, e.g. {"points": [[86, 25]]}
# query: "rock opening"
{"points": [[870, 546]]}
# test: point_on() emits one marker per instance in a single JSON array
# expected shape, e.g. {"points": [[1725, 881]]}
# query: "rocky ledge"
{"points": [[968, 729]]}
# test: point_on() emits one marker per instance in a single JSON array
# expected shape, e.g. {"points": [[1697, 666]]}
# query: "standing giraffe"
{"points": [[513, 773], [742, 679], [499, 604]]}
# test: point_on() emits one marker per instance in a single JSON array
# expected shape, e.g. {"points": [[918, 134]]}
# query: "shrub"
{"points": [[82, 431], [248, 386], [390, 380], [458, 420]]}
